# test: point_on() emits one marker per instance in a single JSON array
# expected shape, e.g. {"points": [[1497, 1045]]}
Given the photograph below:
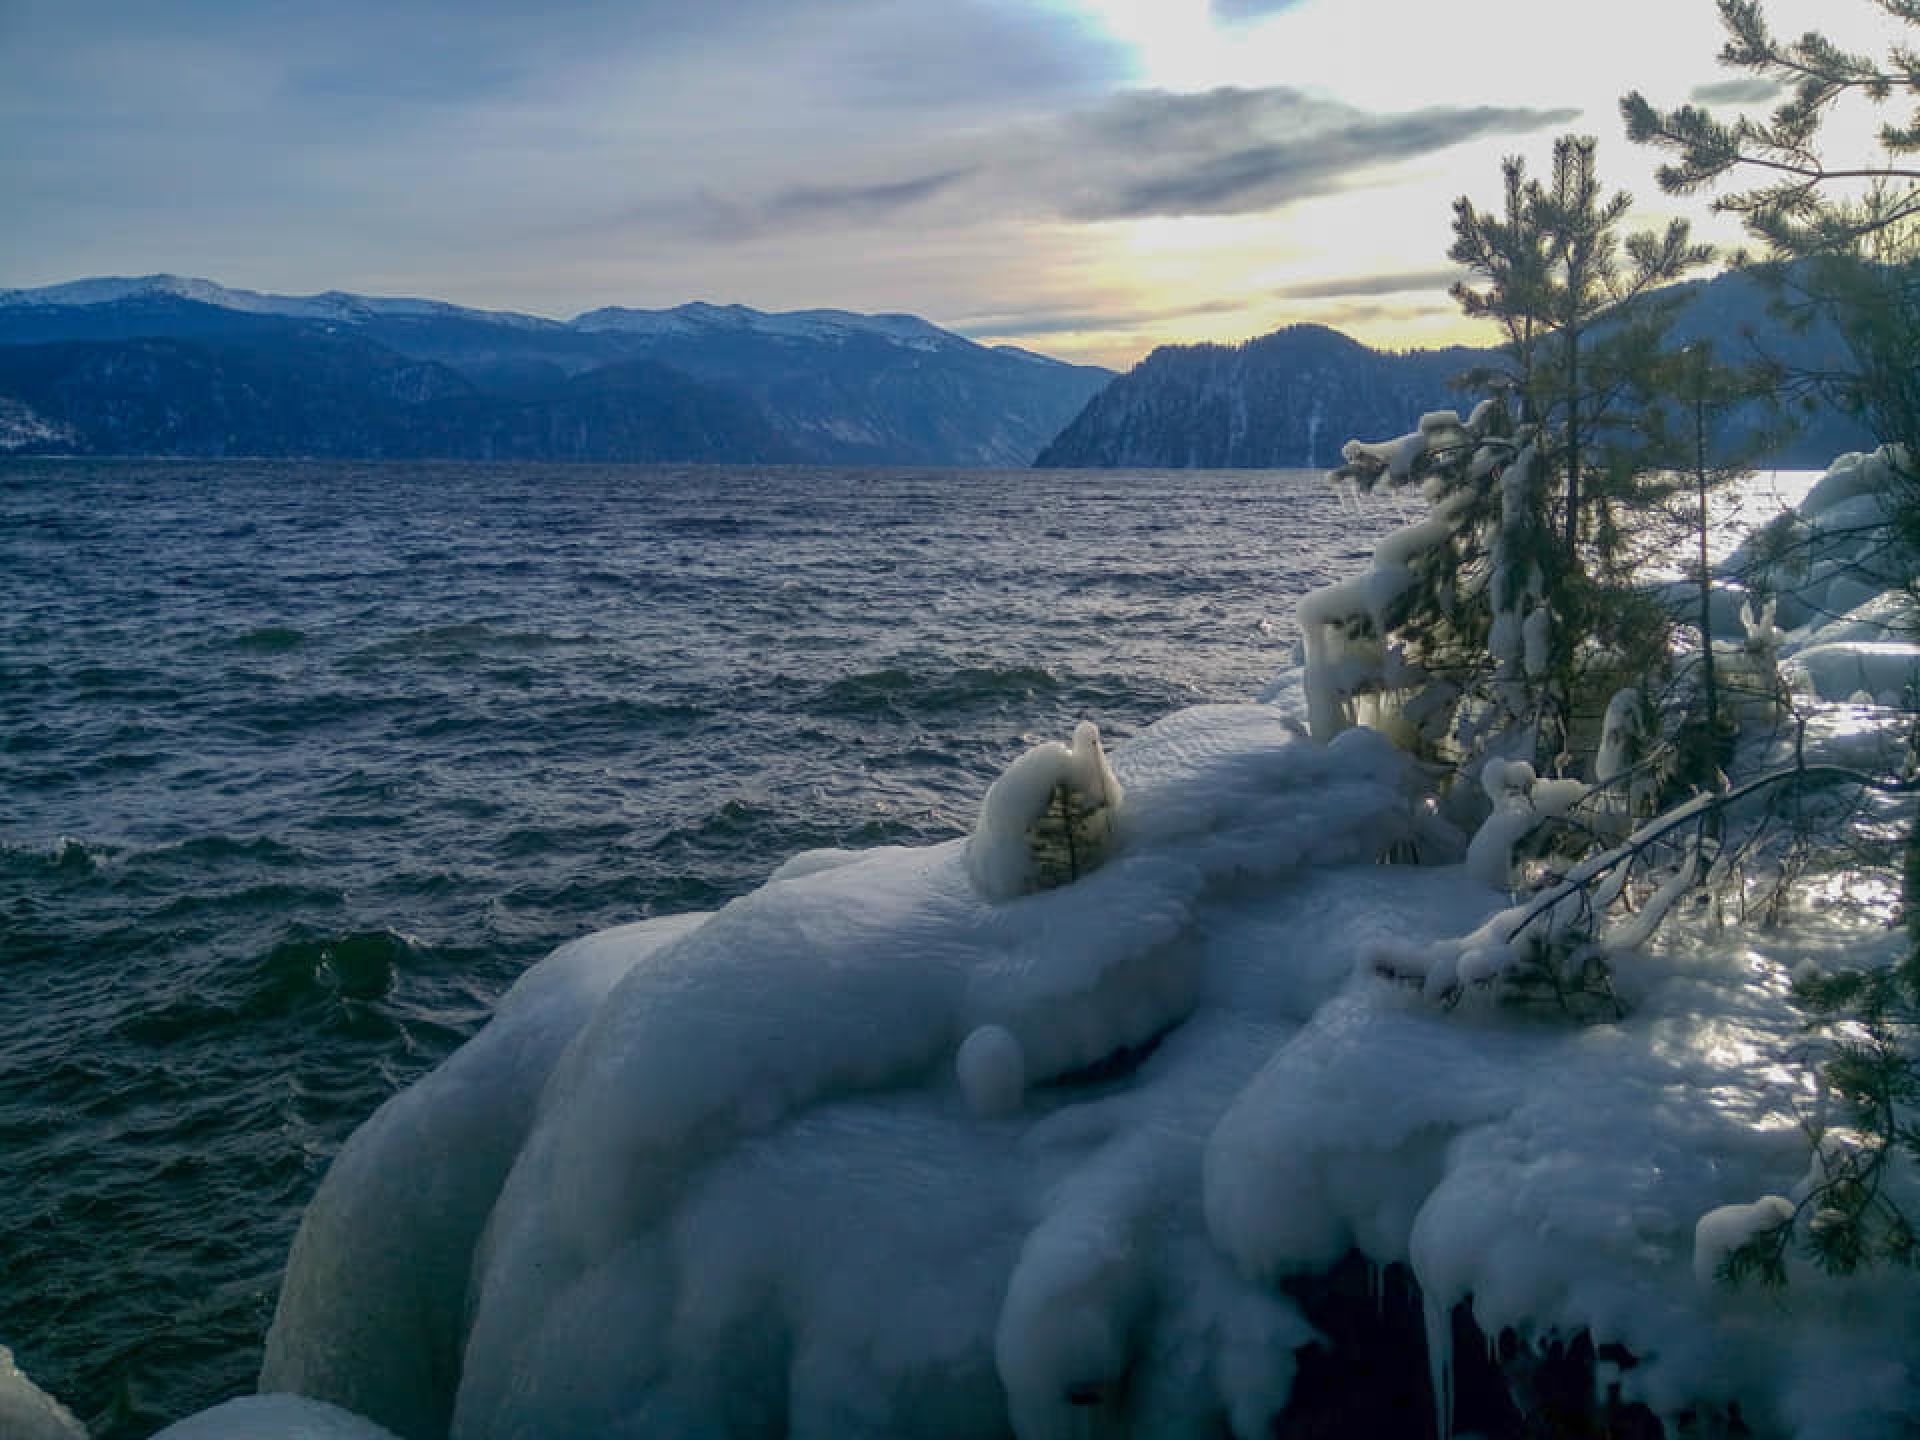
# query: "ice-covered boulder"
{"points": [[865, 1152], [272, 1417], [27, 1412], [372, 1313], [910, 1142]]}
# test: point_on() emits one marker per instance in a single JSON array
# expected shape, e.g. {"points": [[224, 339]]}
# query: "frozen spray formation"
{"points": [[921, 1142]]}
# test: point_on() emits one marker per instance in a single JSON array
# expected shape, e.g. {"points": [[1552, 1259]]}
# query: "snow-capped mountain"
{"points": [[820, 386], [334, 305], [701, 318]]}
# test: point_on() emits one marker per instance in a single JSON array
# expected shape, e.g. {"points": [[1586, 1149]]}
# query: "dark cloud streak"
{"points": [[1138, 154], [1400, 282], [863, 200], [1236, 151], [1054, 322]]}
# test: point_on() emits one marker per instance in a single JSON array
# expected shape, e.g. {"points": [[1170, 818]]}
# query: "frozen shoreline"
{"points": [[717, 1173]]}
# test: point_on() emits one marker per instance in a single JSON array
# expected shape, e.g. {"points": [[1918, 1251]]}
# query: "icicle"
{"points": [[1439, 1320]]}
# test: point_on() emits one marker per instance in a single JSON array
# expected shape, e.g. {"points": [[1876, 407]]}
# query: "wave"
{"points": [[206, 851], [362, 965], [66, 856]]}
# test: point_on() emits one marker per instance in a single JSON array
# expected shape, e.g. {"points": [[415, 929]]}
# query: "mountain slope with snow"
{"points": [[817, 386]]}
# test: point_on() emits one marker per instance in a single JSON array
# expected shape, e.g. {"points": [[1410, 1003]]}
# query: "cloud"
{"points": [[1043, 322], [1400, 283], [1229, 11], [1750, 90], [1234, 151], [1137, 154], [1356, 318], [861, 201], [928, 57]]}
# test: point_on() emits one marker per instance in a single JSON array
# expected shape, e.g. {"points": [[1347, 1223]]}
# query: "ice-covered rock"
{"points": [[904, 1143], [924, 1077], [27, 1412], [272, 1417]]}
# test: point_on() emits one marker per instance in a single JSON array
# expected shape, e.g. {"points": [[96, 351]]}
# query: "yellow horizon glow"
{"points": [[1226, 279]]}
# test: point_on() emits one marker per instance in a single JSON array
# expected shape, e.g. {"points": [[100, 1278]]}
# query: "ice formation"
{"points": [[993, 1071], [1047, 820], [901, 1144], [1620, 737], [27, 1412], [1721, 1231], [1521, 803], [272, 1417]]}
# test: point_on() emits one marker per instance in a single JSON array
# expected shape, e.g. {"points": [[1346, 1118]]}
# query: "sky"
{"points": [[1085, 178]]}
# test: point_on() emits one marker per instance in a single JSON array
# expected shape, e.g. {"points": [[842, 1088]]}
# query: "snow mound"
{"points": [[1887, 672], [281, 1417], [982, 1121], [868, 1153], [273, 1417]]}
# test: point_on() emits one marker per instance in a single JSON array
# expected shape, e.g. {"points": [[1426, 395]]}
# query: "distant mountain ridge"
{"points": [[162, 364], [1291, 399], [1286, 400]]}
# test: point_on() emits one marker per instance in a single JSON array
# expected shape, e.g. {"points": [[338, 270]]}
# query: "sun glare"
{"points": [[1175, 41]]}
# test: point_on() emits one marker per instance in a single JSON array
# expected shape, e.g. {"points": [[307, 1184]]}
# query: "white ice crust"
{"points": [[27, 1412], [272, 1417], [883, 1150]]}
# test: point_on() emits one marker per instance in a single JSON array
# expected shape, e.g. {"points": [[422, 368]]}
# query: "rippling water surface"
{"points": [[302, 764]]}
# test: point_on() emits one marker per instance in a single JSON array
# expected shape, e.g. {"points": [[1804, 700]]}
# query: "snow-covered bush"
{"points": [[1444, 642], [1047, 820]]}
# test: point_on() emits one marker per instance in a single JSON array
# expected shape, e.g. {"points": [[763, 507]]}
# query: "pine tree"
{"points": [[1804, 204], [1586, 315], [1852, 232], [1850, 228]]}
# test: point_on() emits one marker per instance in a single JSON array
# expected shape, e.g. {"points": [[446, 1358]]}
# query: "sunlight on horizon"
{"points": [[1227, 278]]}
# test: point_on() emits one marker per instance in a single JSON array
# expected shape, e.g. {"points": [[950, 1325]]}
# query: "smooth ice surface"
{"points": [[993, 1071], [881, 1149]]}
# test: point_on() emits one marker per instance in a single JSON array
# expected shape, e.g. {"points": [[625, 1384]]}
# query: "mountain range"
{"points": [[171, 366], [1293, 398], [161, 365]]}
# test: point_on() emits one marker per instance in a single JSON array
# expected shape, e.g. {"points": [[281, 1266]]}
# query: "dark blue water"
{"points": [[302, 764]]}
